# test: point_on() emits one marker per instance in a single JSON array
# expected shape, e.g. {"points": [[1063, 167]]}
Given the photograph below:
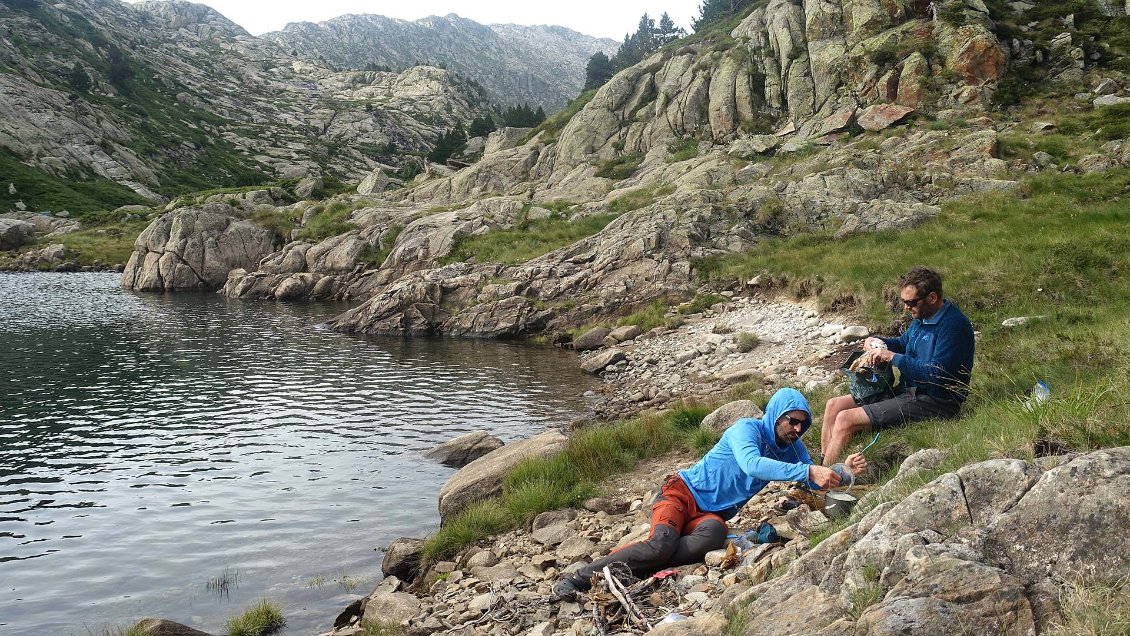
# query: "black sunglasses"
{"points": [[913, 302], [794, 421]]}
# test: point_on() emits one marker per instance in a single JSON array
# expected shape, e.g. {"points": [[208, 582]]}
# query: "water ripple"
{"points": [[149, 443]]}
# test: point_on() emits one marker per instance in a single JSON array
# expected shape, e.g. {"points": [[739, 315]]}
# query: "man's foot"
{"points": [[567, 589]]}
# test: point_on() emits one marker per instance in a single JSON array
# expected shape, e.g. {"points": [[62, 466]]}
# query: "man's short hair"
{"points": [[923, 280]]}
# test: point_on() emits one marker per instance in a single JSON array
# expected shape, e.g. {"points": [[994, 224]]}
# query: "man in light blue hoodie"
{"points": [[688, 516]]}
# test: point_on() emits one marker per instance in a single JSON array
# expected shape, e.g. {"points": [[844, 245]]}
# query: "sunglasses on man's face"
{"points": [[795, 422], [911, 303]]}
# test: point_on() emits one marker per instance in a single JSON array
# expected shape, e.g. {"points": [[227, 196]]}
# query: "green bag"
{"points": [[869, 384]]}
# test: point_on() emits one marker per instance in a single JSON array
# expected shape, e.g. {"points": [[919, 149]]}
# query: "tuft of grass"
{"points": [[652, 316], [1094, 608], [619, 168], [638, 198], [569, 477], [279, 221], [528, 240], [331, 220], [258, 620], [701, 303], [747, 341], [140, 628], [682, 150], [866, 596]]}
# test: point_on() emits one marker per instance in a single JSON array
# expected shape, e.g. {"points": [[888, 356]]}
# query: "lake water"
{"points": [[154, 446]]}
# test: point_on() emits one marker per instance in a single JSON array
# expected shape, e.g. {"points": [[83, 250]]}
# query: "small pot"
{"points": [[839, 504]]}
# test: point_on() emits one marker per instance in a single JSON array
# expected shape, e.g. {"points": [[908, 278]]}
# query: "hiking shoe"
{"points": [[567, 589]]}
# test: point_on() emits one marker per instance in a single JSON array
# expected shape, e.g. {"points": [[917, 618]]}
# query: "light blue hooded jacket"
{"points": [[748, 457]]}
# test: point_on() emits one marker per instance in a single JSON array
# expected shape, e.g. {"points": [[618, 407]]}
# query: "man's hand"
{"points": [[823, 477], [856, 463], [874, 356]]}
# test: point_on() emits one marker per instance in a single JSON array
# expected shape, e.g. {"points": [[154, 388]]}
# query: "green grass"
{"points": [[867, 595], [140, 628], [682, 150], [258, 620], [281, 222], [528, 240], [1055, 248], [651, 316], [565, 479], [638, 198], [700, 303], [110, 244], [619, 168], [330, 221], [41, 191]]}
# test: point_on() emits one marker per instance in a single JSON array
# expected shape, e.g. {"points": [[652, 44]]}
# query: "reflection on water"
{"points": [[154, 449]]}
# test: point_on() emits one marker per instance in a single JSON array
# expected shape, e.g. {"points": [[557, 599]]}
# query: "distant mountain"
{"points": [[542, 65], [166, 97]]}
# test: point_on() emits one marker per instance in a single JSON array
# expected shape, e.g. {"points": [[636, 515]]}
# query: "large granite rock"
{"points": [[463, 450], [195, 249], [402, 558], [482, 478], [980, 549], [722, 417], [14, 233]]}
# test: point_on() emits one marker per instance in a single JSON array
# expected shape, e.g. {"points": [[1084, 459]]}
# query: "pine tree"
{"points": [[79, 80], [598, 70], [667, 31], [711, 11]]}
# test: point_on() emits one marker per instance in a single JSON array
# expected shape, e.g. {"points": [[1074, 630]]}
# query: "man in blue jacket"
{"points": [[934, 356], [688, 516]]}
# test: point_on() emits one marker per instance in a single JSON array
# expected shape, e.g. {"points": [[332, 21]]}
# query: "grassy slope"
{"points": [[1057, 248]]}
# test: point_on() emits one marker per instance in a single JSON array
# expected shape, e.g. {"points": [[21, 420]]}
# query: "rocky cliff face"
{"points": [[795, 119], [537, 65], [163, 97]]}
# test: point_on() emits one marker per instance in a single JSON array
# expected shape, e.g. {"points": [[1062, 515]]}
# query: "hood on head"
{"points": [[783, 401]]}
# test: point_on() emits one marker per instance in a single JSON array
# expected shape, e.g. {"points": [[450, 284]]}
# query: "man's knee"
{"points": [[711, 533], [661, 544], [851, 420]]}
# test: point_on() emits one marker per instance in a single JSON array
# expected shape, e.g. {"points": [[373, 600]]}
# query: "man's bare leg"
{"points": [[831, 410], [848, 423]]}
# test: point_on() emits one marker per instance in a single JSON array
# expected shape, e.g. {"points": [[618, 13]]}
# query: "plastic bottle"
{"points": [[1041, 392]]}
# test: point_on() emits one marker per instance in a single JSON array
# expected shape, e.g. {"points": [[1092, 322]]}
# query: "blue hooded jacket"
{"points": [[748, 457]]}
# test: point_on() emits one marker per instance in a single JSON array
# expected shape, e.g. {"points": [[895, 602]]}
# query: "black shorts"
{"points": [[909, 406]]}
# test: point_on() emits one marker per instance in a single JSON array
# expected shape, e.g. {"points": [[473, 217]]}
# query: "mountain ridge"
{"points": [[498, 56]]}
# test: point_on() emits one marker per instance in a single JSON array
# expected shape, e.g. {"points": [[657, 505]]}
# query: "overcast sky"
{"points": [[600, 18]]}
